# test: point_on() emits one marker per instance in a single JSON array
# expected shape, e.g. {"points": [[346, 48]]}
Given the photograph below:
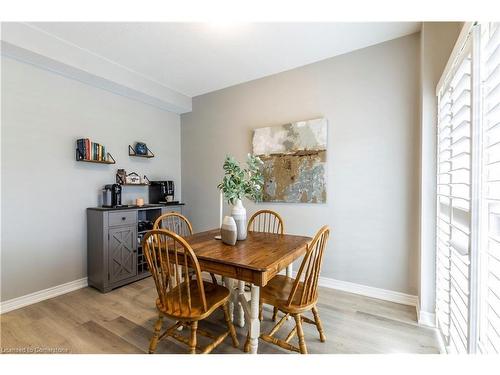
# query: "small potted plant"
{"points": [[239, 183]]}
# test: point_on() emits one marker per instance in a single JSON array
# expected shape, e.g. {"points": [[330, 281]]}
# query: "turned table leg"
{"points": [[233, 299], [240, 317], [289, 270], [254, 319]]}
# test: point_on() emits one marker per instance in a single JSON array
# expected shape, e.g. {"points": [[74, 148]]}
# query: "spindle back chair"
{"points": [[305, 288], [180, 225], [267, 221], [296, 296], [174, 222], [181, 297]]}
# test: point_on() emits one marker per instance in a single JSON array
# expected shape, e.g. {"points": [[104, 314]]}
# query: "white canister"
{"points": [[228, 231]]}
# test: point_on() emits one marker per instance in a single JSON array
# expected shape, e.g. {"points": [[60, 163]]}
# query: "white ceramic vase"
{"points": [[239, 214], [228, 231]]}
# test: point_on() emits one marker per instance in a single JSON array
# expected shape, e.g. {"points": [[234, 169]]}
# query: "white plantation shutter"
{"points": [[489, 314], [454, 203], [468, 199]]}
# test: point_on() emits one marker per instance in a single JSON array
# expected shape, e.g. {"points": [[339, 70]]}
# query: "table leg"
{"points": [[240, 317], [289, 270], [229, 284], [254, 319]]}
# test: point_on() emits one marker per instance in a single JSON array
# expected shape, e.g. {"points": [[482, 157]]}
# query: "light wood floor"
{"points": [[86, 321]]}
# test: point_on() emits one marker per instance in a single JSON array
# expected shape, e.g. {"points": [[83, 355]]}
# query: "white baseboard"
{"points": [[426, 318], [41, 295], [369, 291]]}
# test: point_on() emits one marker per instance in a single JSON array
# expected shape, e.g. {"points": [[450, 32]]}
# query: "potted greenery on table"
{"points": [[239, 183]]}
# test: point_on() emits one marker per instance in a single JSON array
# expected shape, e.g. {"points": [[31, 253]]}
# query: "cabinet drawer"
{"points": [[122, 218]]}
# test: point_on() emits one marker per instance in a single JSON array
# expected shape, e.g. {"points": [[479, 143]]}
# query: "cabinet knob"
{"points": [[124, 218]]}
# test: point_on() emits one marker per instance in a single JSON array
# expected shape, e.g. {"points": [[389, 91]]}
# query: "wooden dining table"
{"points": [[255, 260]]}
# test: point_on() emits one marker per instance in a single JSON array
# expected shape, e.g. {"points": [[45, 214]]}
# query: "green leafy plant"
{"points": [[242, 182]]}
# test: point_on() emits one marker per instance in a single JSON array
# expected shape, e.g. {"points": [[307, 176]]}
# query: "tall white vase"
{"points": [[239, 214]]}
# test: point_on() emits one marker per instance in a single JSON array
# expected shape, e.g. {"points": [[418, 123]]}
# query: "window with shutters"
{"points": [[468, 194]]}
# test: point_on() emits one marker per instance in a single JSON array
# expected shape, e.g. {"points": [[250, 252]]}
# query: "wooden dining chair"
{"points": [[296, 296], [174, 222], [180, 225], [266, 221], [187, 302]]}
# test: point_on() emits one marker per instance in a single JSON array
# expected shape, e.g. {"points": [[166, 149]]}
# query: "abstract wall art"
{"points": [[294, 157]]}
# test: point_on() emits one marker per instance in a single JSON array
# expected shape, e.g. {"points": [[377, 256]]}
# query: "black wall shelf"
{"points": [[109, 158], [131, 152], [122, 183]]}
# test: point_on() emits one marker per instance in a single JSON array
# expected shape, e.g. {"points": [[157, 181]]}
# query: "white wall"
{"points": [[44, 190], [437, 41], [371, 100]]}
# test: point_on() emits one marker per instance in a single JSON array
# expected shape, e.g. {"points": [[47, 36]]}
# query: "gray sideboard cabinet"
{"points": [[114, 252]]}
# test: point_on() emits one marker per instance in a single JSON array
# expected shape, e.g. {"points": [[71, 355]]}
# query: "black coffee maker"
{"points": [[112, 195], [161, 191]]}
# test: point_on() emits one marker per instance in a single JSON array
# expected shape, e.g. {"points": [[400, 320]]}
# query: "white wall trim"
{"points": [[369, 291], [29, 44], [365, 290], [426, 318], [29, 299]]}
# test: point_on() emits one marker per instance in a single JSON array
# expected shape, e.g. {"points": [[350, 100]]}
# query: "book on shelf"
{"points": [[88, 150], [80, 149]]}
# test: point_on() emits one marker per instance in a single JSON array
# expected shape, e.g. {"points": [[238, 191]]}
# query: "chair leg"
{"points": [[246, 347], [300, 333], [154, 340], [275, 313], [319, 326], [192, 339], [230, 325], [260, 311]]}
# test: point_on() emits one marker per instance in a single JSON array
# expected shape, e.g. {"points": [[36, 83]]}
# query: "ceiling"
{"points": [[196, 58]]}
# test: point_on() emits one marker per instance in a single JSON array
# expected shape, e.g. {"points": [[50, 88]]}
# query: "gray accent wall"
{"points": [[370, 98], [44, 190]]}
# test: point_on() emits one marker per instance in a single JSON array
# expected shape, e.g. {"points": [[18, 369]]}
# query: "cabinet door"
{"points": [[122, 261]]}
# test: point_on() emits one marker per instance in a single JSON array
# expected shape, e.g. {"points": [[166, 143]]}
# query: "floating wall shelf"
{"points": [[131, 152], [109, 158], [145, 183]]}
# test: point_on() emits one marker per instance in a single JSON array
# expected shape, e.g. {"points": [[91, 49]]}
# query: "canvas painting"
{"points": [[294, 157]]}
